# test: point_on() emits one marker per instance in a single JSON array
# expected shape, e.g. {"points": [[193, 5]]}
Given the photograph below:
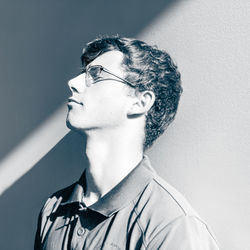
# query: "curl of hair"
{"points": [[149, 69]]}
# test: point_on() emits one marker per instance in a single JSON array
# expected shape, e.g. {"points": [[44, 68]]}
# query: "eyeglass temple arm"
{"points": [[129, 83]]}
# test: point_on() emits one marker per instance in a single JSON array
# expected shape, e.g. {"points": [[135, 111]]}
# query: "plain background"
{"points": [[204, 153]]}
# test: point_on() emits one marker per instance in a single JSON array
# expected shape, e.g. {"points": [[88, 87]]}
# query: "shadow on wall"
{"points": [[40, 50], [20, 204]]}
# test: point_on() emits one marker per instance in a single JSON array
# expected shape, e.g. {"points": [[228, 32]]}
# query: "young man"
{"points": [[124, 98]]}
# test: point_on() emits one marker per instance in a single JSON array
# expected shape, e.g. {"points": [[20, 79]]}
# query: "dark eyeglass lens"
{"points": [[95, 72]]}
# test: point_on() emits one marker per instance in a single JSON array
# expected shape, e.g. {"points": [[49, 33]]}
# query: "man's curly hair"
{"points": [[148, 68]]}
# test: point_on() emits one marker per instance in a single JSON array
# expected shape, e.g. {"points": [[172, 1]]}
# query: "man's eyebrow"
{"points": [[82, 69]]}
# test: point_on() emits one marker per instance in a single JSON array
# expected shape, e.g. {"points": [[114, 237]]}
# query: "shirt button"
{"points": [[80, 231]]}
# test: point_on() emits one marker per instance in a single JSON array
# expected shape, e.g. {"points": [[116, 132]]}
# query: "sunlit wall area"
{"points": [[205, 153]]}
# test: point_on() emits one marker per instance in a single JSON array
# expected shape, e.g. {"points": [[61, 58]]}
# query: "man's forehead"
{"points": [[111, 60]]}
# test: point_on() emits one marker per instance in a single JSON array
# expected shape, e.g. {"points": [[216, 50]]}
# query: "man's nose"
{"points": [[77, 84]]}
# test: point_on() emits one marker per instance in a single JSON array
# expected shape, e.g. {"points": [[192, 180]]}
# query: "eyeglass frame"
{"points": [[109, 72]]}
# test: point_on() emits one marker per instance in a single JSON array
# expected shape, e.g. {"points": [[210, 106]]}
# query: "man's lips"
{"points": [[72, 100]]}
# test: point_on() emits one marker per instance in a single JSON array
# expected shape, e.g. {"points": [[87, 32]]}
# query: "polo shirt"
{"points": [[142, 212]]}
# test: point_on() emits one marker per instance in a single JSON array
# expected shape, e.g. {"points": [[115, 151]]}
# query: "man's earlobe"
{"points": [[143, 102]]}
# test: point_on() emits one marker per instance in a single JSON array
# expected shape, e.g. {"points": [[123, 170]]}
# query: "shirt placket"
{"points": [[79, 233]]}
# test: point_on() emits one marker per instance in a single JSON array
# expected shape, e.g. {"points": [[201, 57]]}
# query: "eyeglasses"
{"points": [[94, 74]]}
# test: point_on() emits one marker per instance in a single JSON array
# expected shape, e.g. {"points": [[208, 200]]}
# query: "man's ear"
{"points": [[142, 102]]}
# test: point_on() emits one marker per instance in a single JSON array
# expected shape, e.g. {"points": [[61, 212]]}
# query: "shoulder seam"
{"points": [[185, 213]]}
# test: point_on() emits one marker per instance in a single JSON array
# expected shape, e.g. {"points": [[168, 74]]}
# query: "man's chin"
{"points": [[70, 122], [70, 125], [73, 127]]}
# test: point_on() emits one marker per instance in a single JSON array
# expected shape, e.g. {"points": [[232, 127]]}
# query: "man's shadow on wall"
{"points": [[21, 203]]}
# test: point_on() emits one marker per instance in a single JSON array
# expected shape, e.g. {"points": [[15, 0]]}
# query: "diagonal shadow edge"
{"points": [[127, 25], [43, 138], [31, 150]]}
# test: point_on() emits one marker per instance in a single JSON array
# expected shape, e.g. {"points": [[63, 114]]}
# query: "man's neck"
{"points": [[111, 155]]}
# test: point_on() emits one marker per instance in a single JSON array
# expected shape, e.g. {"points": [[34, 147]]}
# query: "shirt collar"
{"points": [[119, 196]]}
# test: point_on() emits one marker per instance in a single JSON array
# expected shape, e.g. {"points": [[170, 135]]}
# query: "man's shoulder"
{"points": [[162, 203], [162, 209], [170, 197]]}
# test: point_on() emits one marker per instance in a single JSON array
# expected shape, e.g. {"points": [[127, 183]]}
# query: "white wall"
{"points": [[205, 152]]}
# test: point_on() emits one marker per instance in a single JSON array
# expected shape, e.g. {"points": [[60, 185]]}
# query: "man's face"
{"points": [[103, 104]]}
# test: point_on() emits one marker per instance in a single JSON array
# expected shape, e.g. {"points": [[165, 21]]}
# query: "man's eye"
{"points": [[95, 74], [95, 77]]}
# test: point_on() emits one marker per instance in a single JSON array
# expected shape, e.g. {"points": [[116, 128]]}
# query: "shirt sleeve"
{"points": [[184, 233]]}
